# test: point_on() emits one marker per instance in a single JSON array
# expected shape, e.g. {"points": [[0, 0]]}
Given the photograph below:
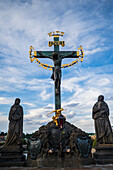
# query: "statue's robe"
{"points": [[14, 136], [103, 128]]}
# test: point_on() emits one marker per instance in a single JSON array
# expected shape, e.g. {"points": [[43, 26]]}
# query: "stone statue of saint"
{"points": [[14, 136], [100, 114]]}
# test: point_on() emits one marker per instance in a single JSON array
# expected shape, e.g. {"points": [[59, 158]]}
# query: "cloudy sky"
{"points": [[28, 22]]}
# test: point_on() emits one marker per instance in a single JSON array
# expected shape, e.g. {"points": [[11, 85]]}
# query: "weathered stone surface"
{"points": [[14, 136], [11, 156], [42, 134], [60, 158], [104, 167], [64, 163], [104, 154], [103, 128]]}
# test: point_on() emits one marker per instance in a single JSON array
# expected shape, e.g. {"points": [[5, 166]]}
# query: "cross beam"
{"points": [[62, 54], [57, 57]]}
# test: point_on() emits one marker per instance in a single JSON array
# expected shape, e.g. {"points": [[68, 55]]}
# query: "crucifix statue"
{"points": [[57, 57]]}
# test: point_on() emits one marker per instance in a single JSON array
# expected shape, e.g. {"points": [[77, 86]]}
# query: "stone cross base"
{"points": [[11, 156], [104, 154], [59, 163]]}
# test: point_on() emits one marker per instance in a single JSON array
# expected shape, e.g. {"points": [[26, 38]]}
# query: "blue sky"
{"points": [[85, 22]]}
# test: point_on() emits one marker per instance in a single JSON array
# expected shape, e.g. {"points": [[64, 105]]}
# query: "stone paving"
{"points": [[98, 167]]}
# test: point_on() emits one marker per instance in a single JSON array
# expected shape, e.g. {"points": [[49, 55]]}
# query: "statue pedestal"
{"points": [[64, 163], [59, 163], [104, 154], [59, 140], [11, 156]]}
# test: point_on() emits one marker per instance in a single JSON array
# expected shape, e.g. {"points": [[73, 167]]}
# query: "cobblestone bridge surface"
{"points": [[98, 167]]}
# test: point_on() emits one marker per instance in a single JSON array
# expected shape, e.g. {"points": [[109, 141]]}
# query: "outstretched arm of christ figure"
{"points": [[70, 55], [42, 54]]}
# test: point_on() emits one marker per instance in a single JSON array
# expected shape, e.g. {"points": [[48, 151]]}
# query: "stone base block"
{"points": [[59, 163], [11, 156], [104, 154]]}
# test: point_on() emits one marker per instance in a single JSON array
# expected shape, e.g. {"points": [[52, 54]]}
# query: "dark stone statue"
{"points": [[58, 136], [84, 145], [58, 141], [103, 128], [56, 76], [34, 147], [14, 136]]}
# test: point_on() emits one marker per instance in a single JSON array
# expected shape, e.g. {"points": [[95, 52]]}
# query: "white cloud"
{"points": [[3, 123], [44, 95], [81, 94], [95, 50], [84, 97], [6, 100], [20, 24], [29, 104], [27, 23]]}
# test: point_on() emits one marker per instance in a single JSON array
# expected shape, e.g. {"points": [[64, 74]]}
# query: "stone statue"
{"points": [[14, 136], [58, 136], [34, 147], [56, 75], [100, 114]]}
